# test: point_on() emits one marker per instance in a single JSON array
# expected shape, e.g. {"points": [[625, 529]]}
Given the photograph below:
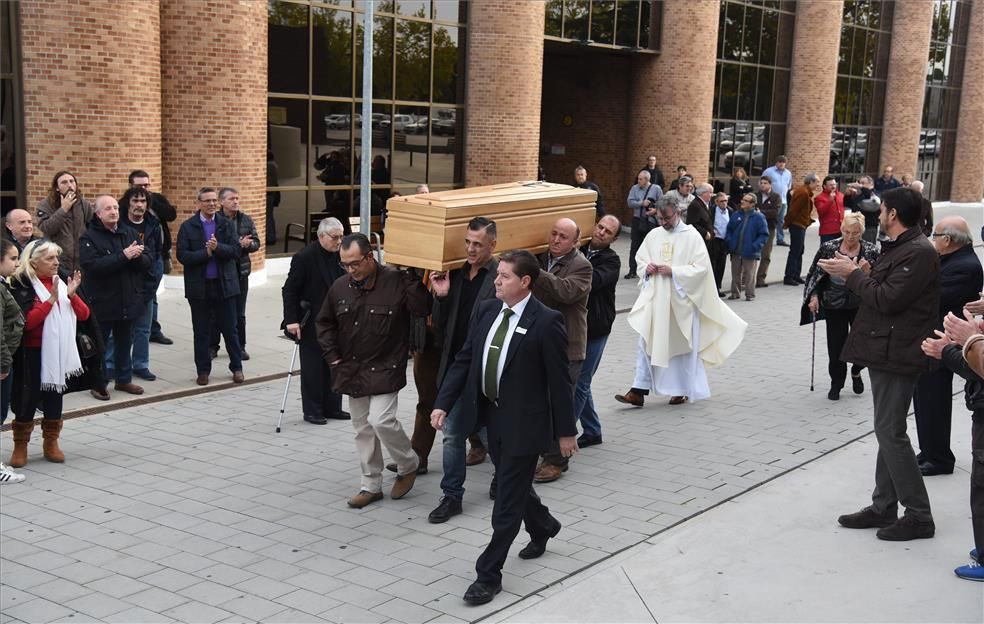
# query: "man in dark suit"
{"points": [[699, 213], [768, 203], [457, 296], [312, 272], [515, 361]]}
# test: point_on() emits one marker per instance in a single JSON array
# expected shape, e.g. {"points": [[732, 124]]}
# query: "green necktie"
{"points": [[495, 350]]}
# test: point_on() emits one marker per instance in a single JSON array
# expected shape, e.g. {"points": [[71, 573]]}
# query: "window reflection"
{"points": [[603, 21], [627, 23], [332, 52], [576, 19], [287, 45], [448, 58], [412, 60]]}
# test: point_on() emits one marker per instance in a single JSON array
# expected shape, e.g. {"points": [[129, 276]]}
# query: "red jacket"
{"points": [[34, 319], [830, 211]]}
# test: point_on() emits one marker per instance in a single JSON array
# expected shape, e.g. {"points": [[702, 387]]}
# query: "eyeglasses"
{"points": [[335, 236], [351, 266], [939, 234]]}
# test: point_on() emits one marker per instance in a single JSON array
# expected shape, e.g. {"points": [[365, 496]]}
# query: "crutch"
{"points": [[293, 358], [813, 351]]}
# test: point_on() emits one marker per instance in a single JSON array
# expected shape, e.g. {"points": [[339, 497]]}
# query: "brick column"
{"points": [[504, 81], [214, 71], [813, 82], [906, 87], [670, 100], [92, 99], [968, 160]]}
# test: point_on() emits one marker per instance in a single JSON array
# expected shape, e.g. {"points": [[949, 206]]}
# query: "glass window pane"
{"points": [[763, 98], [332, 126], [770, 28], [878, 102], [842, 101], [784, 48], [6, 61], [409, 162], [729, 91], [603, 21], [648, 22], [844, 51], [446, 133], [849, 11], [287, 52], [865, 102], [627, 28], [332, 53], [780, 92], [290, 212], [448, 10], [448, 64], [857, 52], [870, 53], [554, 16], [414, 8], [746, 93], [382, 58], [412, 60], [576, 19], [734, 19], [751, 34], [287, 138], [756, 155]]}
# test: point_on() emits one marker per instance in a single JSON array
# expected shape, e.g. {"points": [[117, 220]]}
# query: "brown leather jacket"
{"points": [[800, 211], [367, 331]]}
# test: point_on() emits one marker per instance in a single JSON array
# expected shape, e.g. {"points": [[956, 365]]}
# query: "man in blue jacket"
{"points": [[747, 234]]}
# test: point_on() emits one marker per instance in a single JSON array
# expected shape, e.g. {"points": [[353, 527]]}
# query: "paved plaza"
{"points": [[193, 509]]}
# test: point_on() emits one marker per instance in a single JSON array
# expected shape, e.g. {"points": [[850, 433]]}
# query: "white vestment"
{"points": [[682, 323]]}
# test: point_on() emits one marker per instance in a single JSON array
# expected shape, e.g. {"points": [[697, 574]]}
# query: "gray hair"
{"points": [[99, 205], [225, 190], [917, 186], [866, 177], [667, 203], [328, 224], [645, 173], [958, 231], [704, 188], [810, 178]]}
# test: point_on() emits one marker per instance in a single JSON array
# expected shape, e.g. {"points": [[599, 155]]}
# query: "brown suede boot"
{"points": [[50, 429], [22, 435]]}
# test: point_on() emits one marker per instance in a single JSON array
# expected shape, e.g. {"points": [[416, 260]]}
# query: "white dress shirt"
{"points": [[513, 324]]}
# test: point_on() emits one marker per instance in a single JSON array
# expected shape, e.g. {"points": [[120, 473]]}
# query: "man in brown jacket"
{"points": [[364, 331], [64, 216], [798, 218], [564, 284], [899, 309]]}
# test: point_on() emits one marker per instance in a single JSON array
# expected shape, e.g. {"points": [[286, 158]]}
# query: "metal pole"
{"points": [[365, 179]]}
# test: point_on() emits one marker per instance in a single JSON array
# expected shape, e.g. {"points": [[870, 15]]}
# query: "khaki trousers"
{"points": [[743, 273], [374, 421]]}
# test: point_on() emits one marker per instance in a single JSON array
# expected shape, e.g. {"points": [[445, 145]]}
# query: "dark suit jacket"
{"points": [[312, 272], [536, 398], [446, 310], [961, 279], [192, 254], [770, 207], [699, 216]]}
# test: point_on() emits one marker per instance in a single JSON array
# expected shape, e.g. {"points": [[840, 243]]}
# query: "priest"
{"points": [[682, 323]]}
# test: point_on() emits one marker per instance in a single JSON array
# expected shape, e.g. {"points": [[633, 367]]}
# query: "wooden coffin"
{"points": [[428, 231]]}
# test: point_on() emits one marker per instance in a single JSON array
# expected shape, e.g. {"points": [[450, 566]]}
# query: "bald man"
{"points": [[20, 228], [564, 284], [961, 279]]}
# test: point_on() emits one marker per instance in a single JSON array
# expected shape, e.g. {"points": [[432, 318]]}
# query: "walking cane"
{"points": [[290, 371], [813, 351]]}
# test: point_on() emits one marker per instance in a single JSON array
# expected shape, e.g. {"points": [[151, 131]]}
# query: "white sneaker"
{"points": [[9, 476]]}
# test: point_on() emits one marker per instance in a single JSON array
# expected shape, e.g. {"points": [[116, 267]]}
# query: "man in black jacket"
{"points": [[768, 203], [900, 300], [699, 213], [581, 181], [961, 279], [655, 175], [161, 208], [209, 250], [312, 272], [605, 267], [249, 241], [114, 270]]}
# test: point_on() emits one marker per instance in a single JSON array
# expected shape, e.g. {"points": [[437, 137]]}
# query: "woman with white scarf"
{"points": [[49, 353]]}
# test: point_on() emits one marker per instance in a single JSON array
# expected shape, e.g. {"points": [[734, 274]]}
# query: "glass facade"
{"points": [[754, 52], [944, 74], [862, 70], [620, 24], [315, 104], [11, 147]]}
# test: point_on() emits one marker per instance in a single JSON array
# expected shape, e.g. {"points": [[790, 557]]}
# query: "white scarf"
{"points": [[59, 354]]}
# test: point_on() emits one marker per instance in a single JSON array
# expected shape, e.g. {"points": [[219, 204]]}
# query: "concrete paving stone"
{"points": [[137, 615], [131, 566], [378, 544], [369, 578], [293, 537], [424, 556], [186, 562], [170, 579], [256, 527], [352, 613], [97, 605], [418, 573], [252, 607], [329, 565], [293, 616], [60, 591], [414, 591], [471, 521], [224, 574], [149, 551], [198, 612], [285, 553], [236, 557], [118, 586], [406, 611], [14, 549], [264, 587], [273, 569], [247, 541], [22, 577], [114, 540], [179, 521], [11, 596], [342, 533], [37, 610], [382, 529], [546, 576], [156, 599], [317, 581], [453, 605], [82, 573], [210, 593], [330, 548], [308, 601], [362, 597]]}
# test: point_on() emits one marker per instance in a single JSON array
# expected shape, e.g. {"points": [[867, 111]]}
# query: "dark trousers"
{"points": [[240, 317], [829, 237], [122, 334], [516, 503], [425, 365], [933, 403], [223, 311], [638, 235], [838, 327], [977, 485], [50, 401], [317, 399], [553, 457], [718, 250], [794, 261]]}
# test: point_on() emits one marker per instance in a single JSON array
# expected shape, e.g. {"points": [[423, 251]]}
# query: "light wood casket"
{"points": [[428, 231]]}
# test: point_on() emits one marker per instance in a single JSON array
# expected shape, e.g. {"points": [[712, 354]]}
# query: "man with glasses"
{"points": [[209, 251], [364, 332], [683, 194], [161, 208], [312, 272]]}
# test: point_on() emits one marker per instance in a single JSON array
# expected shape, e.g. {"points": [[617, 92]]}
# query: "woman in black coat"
{"points": [[738, 187]]}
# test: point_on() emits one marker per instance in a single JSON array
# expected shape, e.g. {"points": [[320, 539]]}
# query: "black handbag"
{"points": [[86, 344]]}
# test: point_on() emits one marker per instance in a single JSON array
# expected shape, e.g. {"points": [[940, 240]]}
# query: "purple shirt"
{"points": [[212, 268]]}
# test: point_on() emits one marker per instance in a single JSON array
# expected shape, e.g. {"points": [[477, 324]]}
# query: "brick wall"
{"points": [[214, 73], [813, 82], [968, 161], [906, 87], [671, 95], [593, 91], [505, 73], [92, 100]]}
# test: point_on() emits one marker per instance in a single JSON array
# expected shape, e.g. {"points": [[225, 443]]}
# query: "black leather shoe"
{"points": [[481, 593], [630, 276], [930, 469], [788, 281], [800, 281], [761, 285], [343, 415], [857, 384], [445, 510], [834, 394], [161, 339], [782, 243], [868, 518], [907, 528], [492, 487], [315, 420], [538, 545], [243, 355], [585, 441]]}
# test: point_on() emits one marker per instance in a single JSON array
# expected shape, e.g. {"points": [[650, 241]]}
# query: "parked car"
{"points": [[741, 155]]}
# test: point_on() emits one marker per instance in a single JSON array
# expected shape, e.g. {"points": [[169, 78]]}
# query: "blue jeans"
{"points": [[139, 339], [459, 424], [780, 238], [118, 365], [583, 402]]}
